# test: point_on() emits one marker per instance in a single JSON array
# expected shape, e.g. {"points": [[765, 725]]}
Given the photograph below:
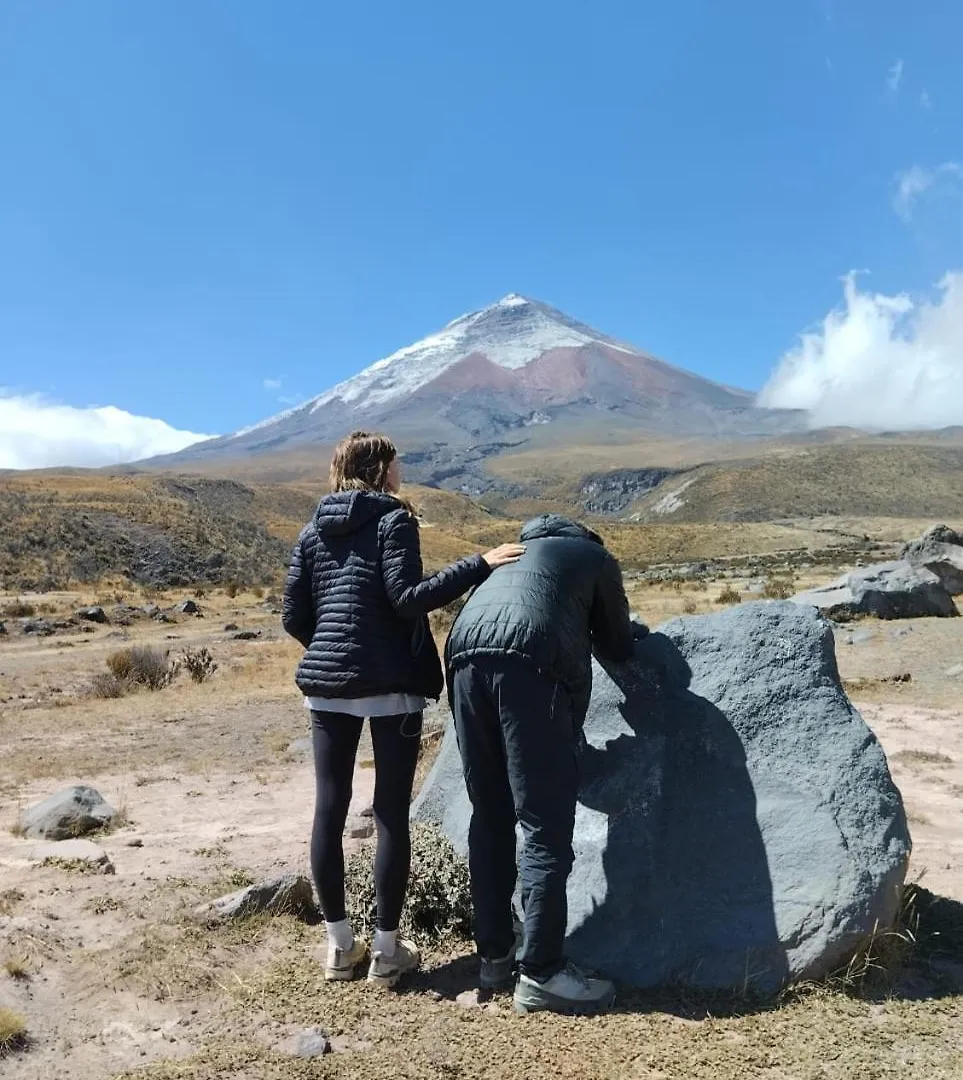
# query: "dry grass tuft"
{"points": [[106, 686], [778, 589], [729, 596], [19, 609], [16, 967], [921, 757], [142, 665], [13, 1031], [9, 898]]}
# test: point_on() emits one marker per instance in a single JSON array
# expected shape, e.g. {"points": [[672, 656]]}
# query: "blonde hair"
{"points": [[360, 462]]}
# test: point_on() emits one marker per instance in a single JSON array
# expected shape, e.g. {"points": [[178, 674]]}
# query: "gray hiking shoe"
{"points": [[570, 992], [500, 974]]}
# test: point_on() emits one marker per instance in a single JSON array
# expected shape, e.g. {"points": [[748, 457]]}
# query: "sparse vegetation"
{"points": [[921, 757], [231, 589], [729, 596], [13, 1031], [778, 589], [106, 685], [9, 898], [689, 606], [19, 609], [199, 664], [142, 665]]}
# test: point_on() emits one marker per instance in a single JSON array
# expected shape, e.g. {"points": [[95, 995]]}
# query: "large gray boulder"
{"points": [[67, 814], [891, 590], [737, 824], [939, 550]]}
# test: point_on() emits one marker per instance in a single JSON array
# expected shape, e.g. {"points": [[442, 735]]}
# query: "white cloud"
{"points": [[273, 384], [36, 434], [926, 101], [879, 362], [913, 183], [895, 76]]}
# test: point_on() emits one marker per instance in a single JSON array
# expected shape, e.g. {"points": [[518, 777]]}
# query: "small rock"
{"points": [[231, 626], [93, 614], [67, 814], [73, 851], [955, 672], [901, 632], [860, 637], [189, 607], [468, 999], [313, 1043], [135, 841], [289, 894], [360, 828], [3, 629], [247, 635], [162, 616], [150, 610], [40, 627]]}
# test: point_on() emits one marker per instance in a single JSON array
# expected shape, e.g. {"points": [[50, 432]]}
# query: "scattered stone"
{"points": [[247, 635], [67, 814], [955, 672], [83, 855], [231, 626], [939, 550], [360, 828], [3, 629], [189, 607], [860, 637], [900, 632], [93, 614], [135, 841], [894, 590], [313, 1043], [774, 866], [290, 894], [162, 617], [40, 627], [469, 999], [150, 610]]}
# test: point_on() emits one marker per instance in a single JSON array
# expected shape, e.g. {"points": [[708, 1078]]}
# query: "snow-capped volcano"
{"points": [[510, 333], [498, 373]]}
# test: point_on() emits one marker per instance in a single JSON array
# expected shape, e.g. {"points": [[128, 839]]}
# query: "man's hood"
{"points": [[555, 525], [345, 512]]}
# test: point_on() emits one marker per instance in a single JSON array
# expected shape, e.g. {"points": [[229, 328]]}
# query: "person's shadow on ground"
{"points": [[684, 895]]}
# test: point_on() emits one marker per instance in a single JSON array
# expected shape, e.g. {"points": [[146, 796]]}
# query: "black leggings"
{"points": [[396, 740]]}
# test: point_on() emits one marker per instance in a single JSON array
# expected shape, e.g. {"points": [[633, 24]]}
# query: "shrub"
{"points": [[199, 663], [729, 596], [439, 896], [142, 666], [232, 589], [689, 606], [20, 609], [778, 589], [257, 592], [105, 684]]}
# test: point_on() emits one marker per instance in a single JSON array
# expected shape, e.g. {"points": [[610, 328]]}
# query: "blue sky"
{"points": [[200, 196]]}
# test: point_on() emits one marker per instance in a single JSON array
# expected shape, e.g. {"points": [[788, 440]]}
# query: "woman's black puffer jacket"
{"points": [[356, 600]]}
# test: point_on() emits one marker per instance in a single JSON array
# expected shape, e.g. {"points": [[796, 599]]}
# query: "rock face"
{"points": [[67, 814], [939, 550], [892, 590], [93, 614], [737, 823], [290, 894]]}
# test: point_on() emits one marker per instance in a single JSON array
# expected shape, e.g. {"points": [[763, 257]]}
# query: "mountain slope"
{"points": [[500, 373]]}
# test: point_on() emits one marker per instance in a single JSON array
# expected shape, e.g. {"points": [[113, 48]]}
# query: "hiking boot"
{"points": [[387, 970], [499, 974], [342, 963], [570, 992]]}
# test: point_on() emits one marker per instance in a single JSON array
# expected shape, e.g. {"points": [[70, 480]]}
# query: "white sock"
{"points": [[385, 942], [340, 935]]}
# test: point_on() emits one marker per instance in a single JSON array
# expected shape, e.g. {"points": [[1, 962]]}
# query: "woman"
{"points": [[356, 600]]}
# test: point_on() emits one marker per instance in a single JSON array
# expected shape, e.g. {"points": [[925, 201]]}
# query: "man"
{"points": [[519, 660]]}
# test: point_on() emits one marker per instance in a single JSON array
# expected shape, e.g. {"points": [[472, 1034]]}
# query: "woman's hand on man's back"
{"points": [[503, 555]]}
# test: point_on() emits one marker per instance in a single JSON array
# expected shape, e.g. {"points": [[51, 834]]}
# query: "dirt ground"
{"points": [[115, 977]]}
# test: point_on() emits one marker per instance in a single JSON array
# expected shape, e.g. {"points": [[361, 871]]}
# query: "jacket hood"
{"points": [[345, 512], [555, 525]]}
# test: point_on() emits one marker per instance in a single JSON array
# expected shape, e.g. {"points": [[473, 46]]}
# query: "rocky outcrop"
{"points": [[67, 814], [892, 590], [737, 823], [939, 550]]}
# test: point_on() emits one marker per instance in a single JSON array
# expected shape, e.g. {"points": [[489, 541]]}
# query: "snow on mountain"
{"points": [[511, 333]]}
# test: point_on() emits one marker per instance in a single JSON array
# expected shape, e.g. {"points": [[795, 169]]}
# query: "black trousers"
{"points": [[517, 738], [396, 740]]}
